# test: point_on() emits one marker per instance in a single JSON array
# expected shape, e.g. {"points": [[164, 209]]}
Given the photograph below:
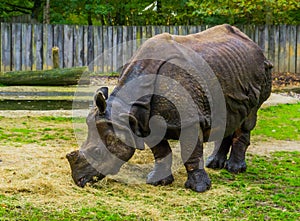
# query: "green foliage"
{"points": [[15, 7], [34, 8], [246, 11], [161, 12]]}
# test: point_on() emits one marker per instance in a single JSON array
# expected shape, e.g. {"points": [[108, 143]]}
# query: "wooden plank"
{"points": [[175, 30], [98, 49], [149, 32], [129, 43], [6, 37], [157, 30], [184, 30], [282, 49], [114, 48], [90, 47], [266, 40], [16, 47], [47, 47], [180, 31], [68, 46], [85, 46], [193, 29], [292, 48], [287, 46], [110, 49], [37, 49], [277, 46], [105, 49], [144, 33], [139, 36], [124, 44], [298, 50], [250, 31], [134, 39], [0, 47], [261, 37], [26, 47], [78, 45], [167, 29], [271, 43], [119, 47]]}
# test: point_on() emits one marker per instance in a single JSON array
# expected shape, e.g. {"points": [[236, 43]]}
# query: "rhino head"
{"points": [[105, 150]]}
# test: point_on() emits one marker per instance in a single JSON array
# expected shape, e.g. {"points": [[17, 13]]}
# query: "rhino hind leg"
{"points": [[236, 162], [161, 173], [219, 156], [240, 142]]}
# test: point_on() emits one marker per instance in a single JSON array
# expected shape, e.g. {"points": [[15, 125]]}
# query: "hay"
{"points": [[40, 175]]}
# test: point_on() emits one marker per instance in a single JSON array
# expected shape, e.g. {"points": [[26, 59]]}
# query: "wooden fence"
{"points": [[106, 48]]}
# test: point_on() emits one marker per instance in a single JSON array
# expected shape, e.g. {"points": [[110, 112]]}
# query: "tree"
{"points": [[19, 7], [159, 12], [246, 11]]}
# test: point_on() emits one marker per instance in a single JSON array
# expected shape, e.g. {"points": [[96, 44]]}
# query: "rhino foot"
{"points": [[215, 162], [154, 180], [235, 167], [198, 180]]}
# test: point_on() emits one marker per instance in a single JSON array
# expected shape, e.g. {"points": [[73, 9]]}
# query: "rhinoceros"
{"points": [[196, 88]]}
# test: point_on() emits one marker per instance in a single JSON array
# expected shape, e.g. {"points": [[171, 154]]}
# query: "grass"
{"points": [[35, 130], [280, 122], [35, 181], [268, 191]]}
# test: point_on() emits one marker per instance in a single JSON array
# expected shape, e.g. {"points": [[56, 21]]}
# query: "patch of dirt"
{"points": [[267, 147], [286, 79]]}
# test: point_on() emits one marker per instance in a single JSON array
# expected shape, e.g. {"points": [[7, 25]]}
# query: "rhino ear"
{"points": [[100, 97], [104, 91]]}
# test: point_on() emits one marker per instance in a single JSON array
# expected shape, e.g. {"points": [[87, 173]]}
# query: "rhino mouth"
{"points": [[82, 182]]}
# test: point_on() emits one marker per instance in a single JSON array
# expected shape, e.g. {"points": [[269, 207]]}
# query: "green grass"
{"points": [[11, 210], [280, 122], [269, 190], [36, 130]]}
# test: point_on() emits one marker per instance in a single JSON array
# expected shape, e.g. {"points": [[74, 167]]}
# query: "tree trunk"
{"points": [[47, 12], [54, 77]]}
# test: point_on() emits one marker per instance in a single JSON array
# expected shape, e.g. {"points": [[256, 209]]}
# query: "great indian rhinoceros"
{"points": [[170, 77]]}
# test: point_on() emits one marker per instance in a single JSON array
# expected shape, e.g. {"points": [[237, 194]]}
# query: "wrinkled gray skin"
{"points": [[244, 75]]}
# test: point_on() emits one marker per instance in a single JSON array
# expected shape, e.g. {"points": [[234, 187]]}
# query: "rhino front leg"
{"points": [[219, 156], [162, 173], [198, 180], [236, 162]]}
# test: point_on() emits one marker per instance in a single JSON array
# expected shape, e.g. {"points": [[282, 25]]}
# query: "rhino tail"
{"points": [[268, 65]]}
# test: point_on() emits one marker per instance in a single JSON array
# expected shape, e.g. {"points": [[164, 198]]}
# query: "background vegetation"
{"points": [[160, 12]]}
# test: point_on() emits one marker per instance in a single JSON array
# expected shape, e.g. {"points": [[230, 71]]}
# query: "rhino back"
{"points": [[236, 61], [239, 65]]}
